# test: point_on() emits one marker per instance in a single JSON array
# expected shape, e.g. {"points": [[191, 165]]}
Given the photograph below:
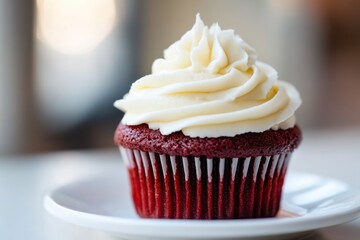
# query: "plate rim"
{"points": [[121, 226]]}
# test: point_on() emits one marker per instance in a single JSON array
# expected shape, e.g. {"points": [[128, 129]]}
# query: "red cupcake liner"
{"points": [[165, 186]]}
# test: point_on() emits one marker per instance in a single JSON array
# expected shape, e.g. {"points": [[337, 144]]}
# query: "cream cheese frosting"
{"points": [[210, 84]]}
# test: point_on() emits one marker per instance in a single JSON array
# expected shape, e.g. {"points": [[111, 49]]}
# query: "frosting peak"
{"points": [[209, 84], [207, 50]]}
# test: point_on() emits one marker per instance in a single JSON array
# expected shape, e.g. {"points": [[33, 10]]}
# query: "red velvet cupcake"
{"points": [[209, 134], [176, 176]]}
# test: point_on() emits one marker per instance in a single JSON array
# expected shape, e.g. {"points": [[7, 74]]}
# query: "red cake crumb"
{"points": [[270, 142]]}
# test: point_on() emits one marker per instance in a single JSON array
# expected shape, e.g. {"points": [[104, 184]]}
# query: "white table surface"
{"points": [[25, 179]]}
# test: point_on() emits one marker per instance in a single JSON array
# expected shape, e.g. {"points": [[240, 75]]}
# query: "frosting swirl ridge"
{"points": [[209, 84]]}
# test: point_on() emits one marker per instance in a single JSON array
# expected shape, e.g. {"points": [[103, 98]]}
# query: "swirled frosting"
{"points": [[209, 84]]}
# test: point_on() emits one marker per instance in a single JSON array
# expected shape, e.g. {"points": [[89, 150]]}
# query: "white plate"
{"points": [[103, 203]]}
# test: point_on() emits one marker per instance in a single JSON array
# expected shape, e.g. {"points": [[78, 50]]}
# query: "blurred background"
{"points": [[64, 62]]}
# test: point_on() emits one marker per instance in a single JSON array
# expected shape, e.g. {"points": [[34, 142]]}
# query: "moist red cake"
{"points": [[270, 142], [176, 176]]}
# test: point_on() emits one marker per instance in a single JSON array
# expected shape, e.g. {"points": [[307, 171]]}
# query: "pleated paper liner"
{"points": [[165, 186]]}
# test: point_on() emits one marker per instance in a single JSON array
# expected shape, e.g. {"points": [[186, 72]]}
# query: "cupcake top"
{"points": [[209, 84]]}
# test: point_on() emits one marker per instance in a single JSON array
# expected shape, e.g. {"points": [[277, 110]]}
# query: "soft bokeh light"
{"points": [[81, 49], [74, 26]]}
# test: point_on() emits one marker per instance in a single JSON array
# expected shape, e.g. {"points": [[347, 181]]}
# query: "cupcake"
{"points": [[210, 132]]}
